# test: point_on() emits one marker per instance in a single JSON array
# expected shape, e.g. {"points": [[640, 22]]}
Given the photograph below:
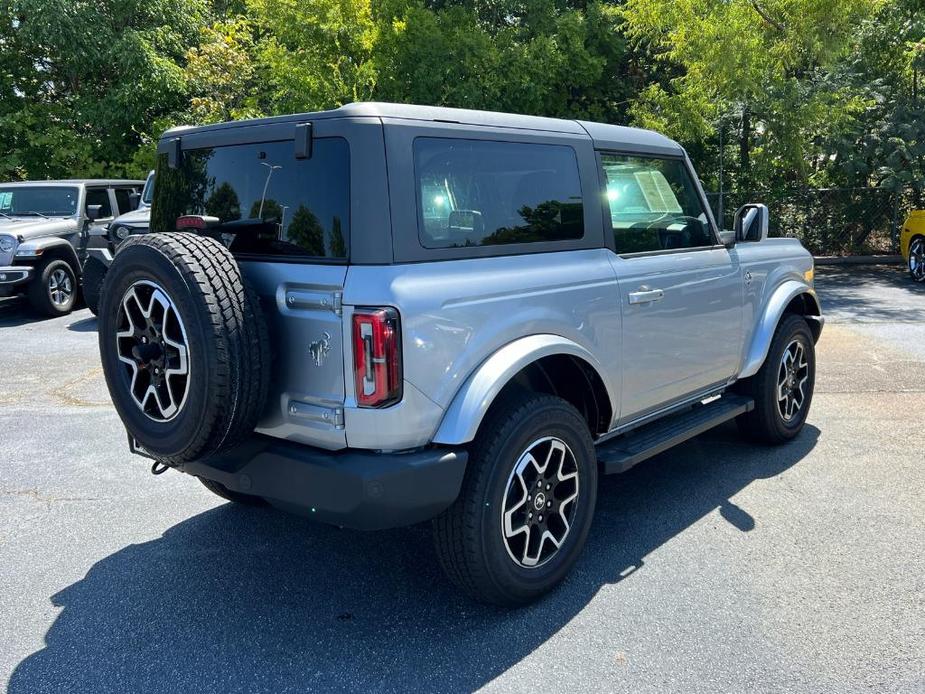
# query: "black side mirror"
{"points": [[94, 212], [134, 198], [751, 222]]}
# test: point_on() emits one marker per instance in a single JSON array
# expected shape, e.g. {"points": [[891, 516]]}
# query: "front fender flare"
{"points": [[774, 309], [468, 407], [46, 247]]}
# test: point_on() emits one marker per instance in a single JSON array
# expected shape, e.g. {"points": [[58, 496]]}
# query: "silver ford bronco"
{"points": [[385, 314], [47, 229]]}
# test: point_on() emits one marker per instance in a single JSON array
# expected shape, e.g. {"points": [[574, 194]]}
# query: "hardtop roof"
{"points": [[603, 134]]}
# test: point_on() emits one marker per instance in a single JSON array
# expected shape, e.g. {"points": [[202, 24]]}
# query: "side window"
{"points": [[485, 193], [100, 196], [123, 199], [654, 205]]}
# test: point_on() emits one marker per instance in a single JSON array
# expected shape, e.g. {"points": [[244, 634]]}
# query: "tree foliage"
{"points": [[783, 92]]}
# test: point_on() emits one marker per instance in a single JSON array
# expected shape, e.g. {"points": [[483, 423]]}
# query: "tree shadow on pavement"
{"points": [[856, 292], [243, 599]]}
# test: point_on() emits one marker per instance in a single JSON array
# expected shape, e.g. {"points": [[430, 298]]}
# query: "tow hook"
{"points": [[158, 468]]}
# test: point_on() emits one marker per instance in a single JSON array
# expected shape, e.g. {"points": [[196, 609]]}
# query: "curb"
{"points": [[859, 260]]}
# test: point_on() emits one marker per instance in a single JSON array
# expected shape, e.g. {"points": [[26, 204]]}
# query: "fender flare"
{"points": [[463, 417], [104, 255], [773, 311], [42, 248]]}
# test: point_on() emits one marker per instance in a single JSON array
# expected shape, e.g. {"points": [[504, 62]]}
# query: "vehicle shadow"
{"points": [[15, 311], [85, 325], [243, 599]]}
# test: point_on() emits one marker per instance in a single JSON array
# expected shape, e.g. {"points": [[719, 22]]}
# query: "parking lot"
{"points": [[717, 566]]}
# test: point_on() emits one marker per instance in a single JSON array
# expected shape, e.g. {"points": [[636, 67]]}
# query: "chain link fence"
{"points": [[828, 221]]}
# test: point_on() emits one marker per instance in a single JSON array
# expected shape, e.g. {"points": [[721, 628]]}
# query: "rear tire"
{"points": [[53, 289], [221, 490], [91, 283], [184, 346], [789, 369], [486, 542]]}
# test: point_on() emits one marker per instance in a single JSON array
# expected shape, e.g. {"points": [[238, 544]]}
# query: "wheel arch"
{"points": [[57, 249], [542, 363], [791, 297]]}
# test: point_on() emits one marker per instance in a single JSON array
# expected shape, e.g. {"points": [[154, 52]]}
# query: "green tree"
{"points": [[85, 81], [753, 66], [314, 54], [305, 230]]}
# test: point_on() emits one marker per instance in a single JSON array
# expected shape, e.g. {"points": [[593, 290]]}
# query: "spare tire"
{"points": [[91, 283], [184, 346]]}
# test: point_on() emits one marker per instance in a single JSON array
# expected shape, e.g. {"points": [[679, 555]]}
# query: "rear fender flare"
{"points": [[470, 404]]}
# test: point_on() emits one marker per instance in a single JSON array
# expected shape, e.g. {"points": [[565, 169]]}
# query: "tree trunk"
{"points": [[745, 146]]}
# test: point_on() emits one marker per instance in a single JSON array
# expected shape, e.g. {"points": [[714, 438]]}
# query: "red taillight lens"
{"points": [[195, 221], [377, 356]]}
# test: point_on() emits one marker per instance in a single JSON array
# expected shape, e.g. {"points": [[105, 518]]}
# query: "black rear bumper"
{"points": [[356, 489]]}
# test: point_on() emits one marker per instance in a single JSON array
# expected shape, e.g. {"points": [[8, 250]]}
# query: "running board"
{"points": [[623, 452]]}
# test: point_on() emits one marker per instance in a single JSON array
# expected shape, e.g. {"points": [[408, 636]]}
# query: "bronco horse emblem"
{"points": [[319, 348]]}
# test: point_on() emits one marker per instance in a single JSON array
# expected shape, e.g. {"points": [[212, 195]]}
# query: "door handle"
{"points": [[645, 295]]}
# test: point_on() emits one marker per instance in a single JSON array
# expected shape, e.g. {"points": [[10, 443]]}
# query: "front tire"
{"points": [[91, 283], [783, 387], [917, 259], [525, 509], [53, 290]]}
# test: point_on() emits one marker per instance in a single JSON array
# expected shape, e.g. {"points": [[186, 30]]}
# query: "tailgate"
{"points": [[302, 302]]}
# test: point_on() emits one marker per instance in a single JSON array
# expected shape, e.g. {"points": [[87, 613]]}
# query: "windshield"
{"points": [[147, 195], [37, 201]]}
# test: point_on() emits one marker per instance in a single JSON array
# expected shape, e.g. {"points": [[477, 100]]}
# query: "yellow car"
{"points": [[912, 244]]}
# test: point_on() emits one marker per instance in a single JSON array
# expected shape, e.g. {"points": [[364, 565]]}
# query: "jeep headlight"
{"points": [[121, 232], [7, 244]]}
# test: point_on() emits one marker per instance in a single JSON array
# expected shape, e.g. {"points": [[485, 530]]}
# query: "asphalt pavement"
{"points": [[718, 566]]}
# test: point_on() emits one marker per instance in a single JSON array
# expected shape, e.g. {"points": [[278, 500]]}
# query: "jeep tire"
{"points": [[53, 289], [783, 387], [184, 346], [492, 541], [91, 283]]}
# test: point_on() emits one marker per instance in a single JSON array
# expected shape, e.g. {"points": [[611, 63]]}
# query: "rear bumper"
{"points": [[12, 275], [364, 490]]}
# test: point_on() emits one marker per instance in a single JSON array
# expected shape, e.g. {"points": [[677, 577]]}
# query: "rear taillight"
{"points": [[377, 356], [195, 221]]}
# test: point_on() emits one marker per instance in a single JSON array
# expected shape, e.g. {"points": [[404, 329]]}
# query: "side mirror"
{"points": [[751, 222], [94, 212], [134, 198]]}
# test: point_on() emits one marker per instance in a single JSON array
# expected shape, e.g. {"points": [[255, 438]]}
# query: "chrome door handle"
{"points": [[646, 295]]}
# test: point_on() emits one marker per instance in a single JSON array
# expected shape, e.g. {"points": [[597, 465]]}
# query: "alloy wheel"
{"points": [[539, 502], [151, 342], [792, 375], [917, 260], [60, 287]]}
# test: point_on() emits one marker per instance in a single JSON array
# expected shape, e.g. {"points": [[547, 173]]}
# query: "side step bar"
{"points": [[621, 453]]}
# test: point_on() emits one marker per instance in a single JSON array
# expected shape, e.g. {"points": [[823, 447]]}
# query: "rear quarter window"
{"points": [[262, 200], [489, 193]]}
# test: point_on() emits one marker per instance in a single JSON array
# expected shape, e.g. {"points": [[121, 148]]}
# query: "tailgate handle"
{"points": [[645, 295]]}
